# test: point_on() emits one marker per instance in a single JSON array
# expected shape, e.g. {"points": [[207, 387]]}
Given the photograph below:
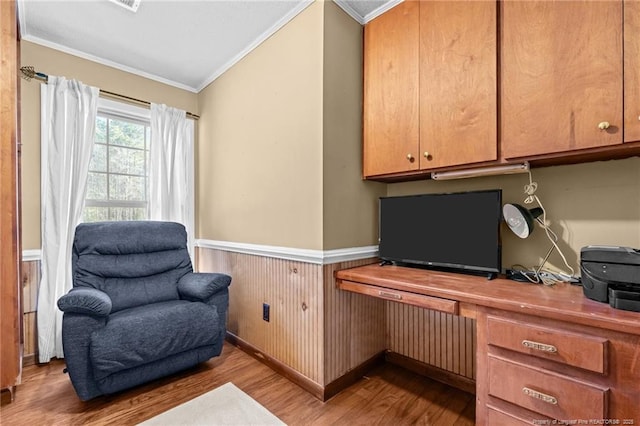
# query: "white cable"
{"points": [[530, 190]]}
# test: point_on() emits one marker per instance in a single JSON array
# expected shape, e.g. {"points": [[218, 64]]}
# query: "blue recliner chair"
{"points": [[136, 311]]}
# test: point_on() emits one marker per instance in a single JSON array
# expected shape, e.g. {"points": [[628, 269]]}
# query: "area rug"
{"points": [[226, 405]]}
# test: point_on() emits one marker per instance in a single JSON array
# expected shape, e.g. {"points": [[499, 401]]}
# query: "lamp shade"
{"points": [[519, 219]]}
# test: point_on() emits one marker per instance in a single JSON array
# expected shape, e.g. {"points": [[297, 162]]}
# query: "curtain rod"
{"points": [[28, 73]]}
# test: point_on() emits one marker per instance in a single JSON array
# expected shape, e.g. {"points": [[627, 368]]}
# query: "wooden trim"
{"points": [[279, 367], [318, 391], [30, 359], [443, 376], [352, 376]]}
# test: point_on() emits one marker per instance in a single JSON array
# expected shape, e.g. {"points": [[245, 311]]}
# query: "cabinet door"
{"points": [[10, 284], [561, 76], [458, 94], [391, 91], [631, 70]]}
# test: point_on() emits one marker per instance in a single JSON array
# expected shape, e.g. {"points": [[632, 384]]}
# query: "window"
{"points": [[118, 172]]}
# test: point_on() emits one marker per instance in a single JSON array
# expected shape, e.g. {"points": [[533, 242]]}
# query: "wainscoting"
{"points": [[315, 329], [319, 331], [324, 333], [434, 338], [30, 283]]}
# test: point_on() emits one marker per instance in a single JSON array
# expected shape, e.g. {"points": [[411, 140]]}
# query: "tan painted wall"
{"points": [[350, 205], [54, 62], [260, 155], [591, 203]]}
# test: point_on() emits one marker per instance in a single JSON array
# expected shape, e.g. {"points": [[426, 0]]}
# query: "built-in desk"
{"points": [[543, 352]]}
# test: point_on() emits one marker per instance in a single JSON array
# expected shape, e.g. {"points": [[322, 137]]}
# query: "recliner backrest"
{"points": [[134, 262]]}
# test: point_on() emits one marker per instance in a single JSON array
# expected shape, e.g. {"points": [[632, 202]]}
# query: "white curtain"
{"points": [[171, 193], [68, 123]]}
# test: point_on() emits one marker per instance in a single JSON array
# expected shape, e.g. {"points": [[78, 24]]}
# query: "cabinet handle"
{"points": [[539, 346], [604, 125], [389, 295], [409, 157], [427, 155], [541, 396]]}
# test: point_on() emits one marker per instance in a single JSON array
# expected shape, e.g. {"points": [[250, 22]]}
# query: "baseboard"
{"points": [[7, 395], [323, 393], [353, 375], [443, 376], [29, 359], [284, 370], [315, 389]]}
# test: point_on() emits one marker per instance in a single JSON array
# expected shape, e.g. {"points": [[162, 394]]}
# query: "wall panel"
{"points": [[30, 284], [442, 340], [314, 328], [354, 325], [294, 292]]}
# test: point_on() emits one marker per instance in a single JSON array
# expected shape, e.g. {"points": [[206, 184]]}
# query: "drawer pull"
{"points": [[539, 346], [541, 396], [390, 295]]}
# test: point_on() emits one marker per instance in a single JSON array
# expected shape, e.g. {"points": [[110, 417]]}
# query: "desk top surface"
{"points": [[562, 301]]}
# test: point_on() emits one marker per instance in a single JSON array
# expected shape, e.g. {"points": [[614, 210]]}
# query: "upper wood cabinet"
{"points": [[561, 76], [458, 78], [430, 97], [390, 127], [631, 70]]}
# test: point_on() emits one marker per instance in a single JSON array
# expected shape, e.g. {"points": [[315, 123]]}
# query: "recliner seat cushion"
{"points": [[140, 335]]}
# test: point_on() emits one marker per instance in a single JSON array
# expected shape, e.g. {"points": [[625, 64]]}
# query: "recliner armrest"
{"points": [[87, 301], [201, 286]]}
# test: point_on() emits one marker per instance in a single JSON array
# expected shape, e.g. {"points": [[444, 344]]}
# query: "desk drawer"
{"points": [[498, 417], [543, 392], [578, 350], [428, 302]]}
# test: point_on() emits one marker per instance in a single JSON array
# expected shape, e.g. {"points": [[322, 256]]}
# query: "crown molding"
{"points": [[382, 9], [344, 5], [350, 11], [102, 61]]}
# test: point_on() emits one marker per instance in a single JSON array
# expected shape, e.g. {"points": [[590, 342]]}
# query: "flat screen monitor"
{"points": [[452, 230]]}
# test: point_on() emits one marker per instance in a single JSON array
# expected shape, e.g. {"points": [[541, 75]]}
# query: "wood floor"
{"points": [[389, 395]]}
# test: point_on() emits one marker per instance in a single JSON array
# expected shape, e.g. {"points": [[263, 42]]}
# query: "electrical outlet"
{"points": [[265, 312]]}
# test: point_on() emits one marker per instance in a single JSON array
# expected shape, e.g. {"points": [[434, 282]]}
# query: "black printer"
{"points": [[611, 274]]}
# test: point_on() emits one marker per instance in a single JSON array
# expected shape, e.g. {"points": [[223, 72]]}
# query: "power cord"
{"points": [[541, 276]]}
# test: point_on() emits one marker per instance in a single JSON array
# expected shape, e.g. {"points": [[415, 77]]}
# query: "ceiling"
{"points": [[186, 44]]}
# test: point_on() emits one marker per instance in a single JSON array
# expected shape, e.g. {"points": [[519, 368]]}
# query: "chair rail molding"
{"points": [[317, 257], [31, 255]]}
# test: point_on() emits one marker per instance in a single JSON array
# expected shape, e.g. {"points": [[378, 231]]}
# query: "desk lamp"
{"points": [[520, 221]]}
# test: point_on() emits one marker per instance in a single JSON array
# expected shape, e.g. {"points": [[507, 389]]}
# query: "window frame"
{"points": [[133, 114]]}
